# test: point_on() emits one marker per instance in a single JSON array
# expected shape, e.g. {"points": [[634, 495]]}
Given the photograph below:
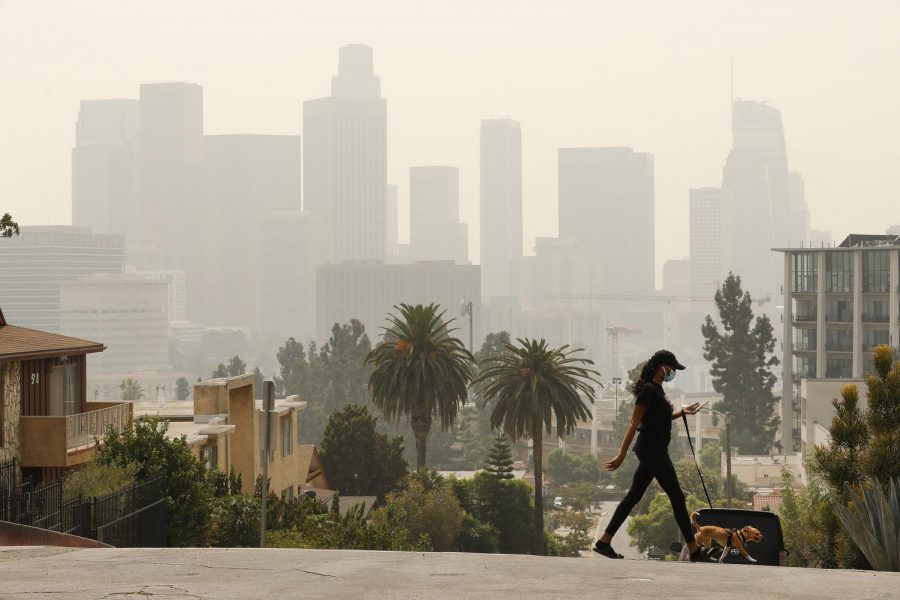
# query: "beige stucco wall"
{"points": [[11, 403]]}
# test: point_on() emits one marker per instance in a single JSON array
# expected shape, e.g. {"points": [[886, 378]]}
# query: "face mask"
{"points": [[670, 375]]}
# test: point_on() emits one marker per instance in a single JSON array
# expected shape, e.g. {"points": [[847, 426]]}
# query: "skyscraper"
{"points": [[501, 207], [434, 228], [345, 160], [170, 152], [103, 166], [393, 249], [606, 204], [290, 250], [245, 177], [711, 239]]}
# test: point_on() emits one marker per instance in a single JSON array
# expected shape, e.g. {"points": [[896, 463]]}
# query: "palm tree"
{"points": [[132, 391], [420, 371], [531, 383]]}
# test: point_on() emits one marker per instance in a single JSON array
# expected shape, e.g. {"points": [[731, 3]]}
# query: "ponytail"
{"points": [[647, 371]]}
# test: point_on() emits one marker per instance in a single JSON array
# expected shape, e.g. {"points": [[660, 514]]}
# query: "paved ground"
{"points": [[171, 574]]}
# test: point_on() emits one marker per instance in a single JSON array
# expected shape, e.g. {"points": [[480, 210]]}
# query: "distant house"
{"points": [[47, 426], [224, 430]]}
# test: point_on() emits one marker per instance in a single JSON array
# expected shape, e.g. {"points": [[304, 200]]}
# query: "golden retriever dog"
{"points": [[727, 538]]}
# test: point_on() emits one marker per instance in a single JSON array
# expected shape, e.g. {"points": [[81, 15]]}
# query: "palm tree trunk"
{"points": [[538, 453], [421, 426]]}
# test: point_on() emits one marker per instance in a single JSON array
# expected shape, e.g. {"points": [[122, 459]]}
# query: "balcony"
{"points": [[65, 441], [875, 318]]}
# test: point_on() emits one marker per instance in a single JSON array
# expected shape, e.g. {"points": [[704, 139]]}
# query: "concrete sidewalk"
{"points": [[172, 574]]}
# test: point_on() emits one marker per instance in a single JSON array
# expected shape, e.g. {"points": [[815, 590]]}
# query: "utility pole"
{"points": [[268, 411], [727, 461]]}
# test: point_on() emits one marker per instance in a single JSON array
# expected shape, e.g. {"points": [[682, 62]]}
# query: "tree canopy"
{"points": [[742, 359]]}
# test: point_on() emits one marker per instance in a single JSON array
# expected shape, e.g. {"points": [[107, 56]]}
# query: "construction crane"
{"points": [[647, 298]]}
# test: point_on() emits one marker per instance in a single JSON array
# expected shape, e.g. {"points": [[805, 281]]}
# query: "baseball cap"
{"points": [[665, 357]]}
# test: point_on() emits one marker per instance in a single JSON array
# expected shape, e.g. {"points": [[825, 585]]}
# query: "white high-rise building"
{"points": [[176, 291], [435, 232], [290, 249], [127, 312], [711, 240], [501, 207], [840, 303], [606, 204], [36, 263], [345, 160], [103, 166]]}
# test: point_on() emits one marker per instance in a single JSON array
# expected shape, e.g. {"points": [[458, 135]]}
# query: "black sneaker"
{"points": [[605, 549], [700, 555]]}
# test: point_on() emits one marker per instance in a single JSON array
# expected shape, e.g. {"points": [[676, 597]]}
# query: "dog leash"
{"points": [[696, 464]]}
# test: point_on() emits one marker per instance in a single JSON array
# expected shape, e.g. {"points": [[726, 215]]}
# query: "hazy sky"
{"points": [[653, 75]]}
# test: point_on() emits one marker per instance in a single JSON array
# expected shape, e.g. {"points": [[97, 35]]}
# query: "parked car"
{"points": [[558, 503]]}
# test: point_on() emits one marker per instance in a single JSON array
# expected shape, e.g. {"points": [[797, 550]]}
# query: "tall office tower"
{"points": [[245, 177], [676, 277], [345, 160], [369, 290], [768, 205], [170, 151], [435, 232], [606, 203], [393, 248], [290, 249], [711, 240], [799, 217], [127, 312], [501, 207], [103, 166], [34, 264]]}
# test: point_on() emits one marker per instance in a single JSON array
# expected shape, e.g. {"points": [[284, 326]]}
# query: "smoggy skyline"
{"points": [[653, 76]]}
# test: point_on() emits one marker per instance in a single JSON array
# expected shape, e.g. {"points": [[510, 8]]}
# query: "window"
{"points": [[64, 390], [805, 311], [875, 337], [209, 455], [839, 310], [876, 311], [804, 367], [839, 340], [805, 339], [839, 367], [839, 268], [287, 439], [805, 272], [877, 271]]}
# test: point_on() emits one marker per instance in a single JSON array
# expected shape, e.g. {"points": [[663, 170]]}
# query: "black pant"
{"points": [[654, 463]]}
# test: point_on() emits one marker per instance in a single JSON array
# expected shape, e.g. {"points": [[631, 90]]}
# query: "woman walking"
{"points": [[652, 418]]}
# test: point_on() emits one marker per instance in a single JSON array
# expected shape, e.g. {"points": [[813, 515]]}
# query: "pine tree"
{"points": [[742, 362], [882, 456], [500, 461]]}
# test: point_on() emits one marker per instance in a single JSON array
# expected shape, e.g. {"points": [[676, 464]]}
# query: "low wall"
{"points": [[12, 534]]}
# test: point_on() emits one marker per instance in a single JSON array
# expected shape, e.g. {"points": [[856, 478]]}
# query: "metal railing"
{"points": [[83, 428]]}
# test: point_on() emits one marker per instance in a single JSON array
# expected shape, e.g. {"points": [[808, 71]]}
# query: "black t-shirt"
{"points": [[656, 425]]}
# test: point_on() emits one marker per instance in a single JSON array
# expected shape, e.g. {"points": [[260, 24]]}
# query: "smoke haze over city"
{"points": [[654, 76]]}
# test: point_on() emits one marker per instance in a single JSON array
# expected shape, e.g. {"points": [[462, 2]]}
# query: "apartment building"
{"points": [[47, 426], [839, 304]]}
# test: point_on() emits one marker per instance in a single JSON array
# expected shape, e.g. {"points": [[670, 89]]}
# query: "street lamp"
{"points": [[616, 381], [465, 308], [728, 483]]}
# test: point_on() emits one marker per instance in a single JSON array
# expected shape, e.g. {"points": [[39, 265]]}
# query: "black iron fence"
{"points": [[134, 516]]}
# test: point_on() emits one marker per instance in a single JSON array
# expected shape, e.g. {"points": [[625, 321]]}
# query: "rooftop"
{"points": [[225, 574], [18, 343]]}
